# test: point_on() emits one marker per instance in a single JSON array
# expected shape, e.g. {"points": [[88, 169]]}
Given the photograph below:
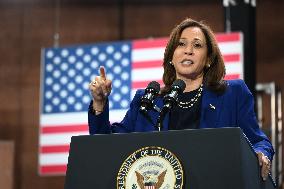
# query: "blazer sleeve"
{"points": [[100, 124], [247, 121]]}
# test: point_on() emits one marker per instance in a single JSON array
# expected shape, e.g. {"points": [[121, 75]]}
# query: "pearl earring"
{"points": [[171, 63]]}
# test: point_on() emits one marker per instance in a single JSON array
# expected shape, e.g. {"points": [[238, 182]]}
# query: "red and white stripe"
{"points": [[231, 46], [149, 187], [56, 131]]}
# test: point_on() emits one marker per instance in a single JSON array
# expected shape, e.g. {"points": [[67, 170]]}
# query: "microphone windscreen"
{"points": [[154, 85], [179, 85]]}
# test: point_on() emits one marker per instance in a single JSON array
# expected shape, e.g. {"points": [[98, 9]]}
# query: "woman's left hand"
{"points": [[265, 164]]}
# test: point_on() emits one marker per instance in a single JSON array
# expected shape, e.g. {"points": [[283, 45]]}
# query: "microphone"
{"points": [[170, 99], [147, 99]]}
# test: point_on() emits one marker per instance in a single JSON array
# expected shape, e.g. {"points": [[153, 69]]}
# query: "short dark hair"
{"points": [[214, 75]]}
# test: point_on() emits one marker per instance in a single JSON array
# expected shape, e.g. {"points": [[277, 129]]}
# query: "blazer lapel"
{"points": [[210, 109]]}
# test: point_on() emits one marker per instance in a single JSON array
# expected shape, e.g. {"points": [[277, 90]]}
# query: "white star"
{"points": [[56, 74], [79, 65], [124, 89], [109, 49], [94, 64], [48, 94], [117, 69], [117, 56], [116, 83], [70, 100], [116, 97], [124, 103], [49, 81], [63, 80], [49, 67], [48, 108], [109, 63], [86, 85], [72, 59], [125, 48], [64, 52], [79, 52], [125, 76], [78, 93], [78, 106], [94, 50], [55, 101], [125, 62], [102, 57], [64, 66], [49, 54], [71, 72], [87, 58], [56, 87], [87, 71], [78, 79], [86, 99], [57, 60], [71, 86], [62, 107], [63, 93]]}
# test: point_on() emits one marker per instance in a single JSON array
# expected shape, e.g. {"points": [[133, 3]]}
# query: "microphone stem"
{"points": [[161, 117], [159, 123]]}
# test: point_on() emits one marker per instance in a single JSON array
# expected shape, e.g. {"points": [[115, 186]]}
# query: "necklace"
{"points": [[191, 102]]}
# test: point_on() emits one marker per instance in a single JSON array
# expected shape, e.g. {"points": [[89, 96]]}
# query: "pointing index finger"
{"points": [[103, 72]]}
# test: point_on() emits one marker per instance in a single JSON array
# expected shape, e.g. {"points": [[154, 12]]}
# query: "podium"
{"points": [[210, 159]]}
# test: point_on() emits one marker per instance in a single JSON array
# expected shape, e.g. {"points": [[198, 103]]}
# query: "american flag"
{"points": [[67, 71]]}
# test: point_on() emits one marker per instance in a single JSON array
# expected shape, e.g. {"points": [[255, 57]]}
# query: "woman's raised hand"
{"points": [[100, 89]]}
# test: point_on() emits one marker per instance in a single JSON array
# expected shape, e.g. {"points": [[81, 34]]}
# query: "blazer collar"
{"points": [[210, 110]]}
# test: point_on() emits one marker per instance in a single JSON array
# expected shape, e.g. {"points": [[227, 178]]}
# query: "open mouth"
{"points": [[187, 62]]}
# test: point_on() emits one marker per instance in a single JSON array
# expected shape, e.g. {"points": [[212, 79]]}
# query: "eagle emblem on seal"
{"points": [[151, 167], [150, 181]]}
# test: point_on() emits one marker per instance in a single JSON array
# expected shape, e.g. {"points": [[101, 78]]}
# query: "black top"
{"points": [[186, 118]]}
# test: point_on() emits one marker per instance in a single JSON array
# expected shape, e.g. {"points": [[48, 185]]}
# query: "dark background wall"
{"points": [[28, 25]]}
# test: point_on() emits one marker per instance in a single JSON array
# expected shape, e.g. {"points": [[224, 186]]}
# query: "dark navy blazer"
{"points": [[234, 108]]}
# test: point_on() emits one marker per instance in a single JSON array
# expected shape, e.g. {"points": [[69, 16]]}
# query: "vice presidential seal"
{"points": [[150, 168]]}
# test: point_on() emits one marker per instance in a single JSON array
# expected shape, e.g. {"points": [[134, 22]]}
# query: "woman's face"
{"points": [[190, 56]]}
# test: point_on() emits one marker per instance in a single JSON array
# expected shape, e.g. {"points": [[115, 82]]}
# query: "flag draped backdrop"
{"points": [[67, 71]]}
